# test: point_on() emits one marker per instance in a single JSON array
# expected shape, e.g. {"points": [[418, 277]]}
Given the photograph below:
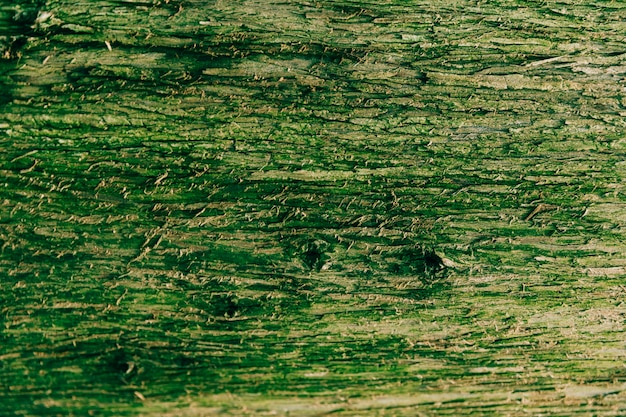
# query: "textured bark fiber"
{"points": [[390, 208]]}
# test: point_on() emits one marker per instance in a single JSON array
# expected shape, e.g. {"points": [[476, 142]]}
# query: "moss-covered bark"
{"points": [[295, 208]]}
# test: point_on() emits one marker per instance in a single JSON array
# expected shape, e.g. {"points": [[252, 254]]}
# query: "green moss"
{"points": [[381, 208]]}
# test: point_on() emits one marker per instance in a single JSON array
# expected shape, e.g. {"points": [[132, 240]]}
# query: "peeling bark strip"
{"points": [[539, 209], [299, 208]]}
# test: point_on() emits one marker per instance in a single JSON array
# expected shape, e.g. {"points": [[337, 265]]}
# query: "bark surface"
{"points": [[306, 208]]}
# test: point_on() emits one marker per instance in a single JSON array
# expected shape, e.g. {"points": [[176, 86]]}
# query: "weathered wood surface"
{"points": [[310, 208]]}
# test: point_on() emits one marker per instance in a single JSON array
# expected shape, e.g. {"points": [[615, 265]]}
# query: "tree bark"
{"points": [[298, 208]]}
